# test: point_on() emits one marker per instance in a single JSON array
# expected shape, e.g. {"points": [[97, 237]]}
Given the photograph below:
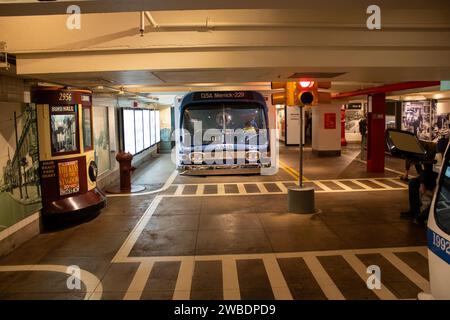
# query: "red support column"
{"points": [[376, 124], [343, 141]]}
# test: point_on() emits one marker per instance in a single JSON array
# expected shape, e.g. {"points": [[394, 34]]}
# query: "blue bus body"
{"points": [[223, 132]]}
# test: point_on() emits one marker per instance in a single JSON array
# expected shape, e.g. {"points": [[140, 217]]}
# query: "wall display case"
{"points": [[102, 139], [140, 129]]}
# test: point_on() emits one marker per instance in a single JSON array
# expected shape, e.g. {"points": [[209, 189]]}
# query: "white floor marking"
{"points": [[8, 231], [262, 188], [241, 188], [424, 252], [91, 282], [221, 189], [397, 182], [355, 158], [362, 185], [166, 186], [282, 187], [279, 286], [381, 184], [125, 249], [329, 288], [230, 279], [343, 185], [360, 268], [179, 190], [410, 273], [184, 280], [229, 270], [322, 186], [139, 281], [200, 189]]}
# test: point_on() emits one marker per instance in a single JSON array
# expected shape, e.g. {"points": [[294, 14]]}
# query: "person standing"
{"points": [[363, 132]]}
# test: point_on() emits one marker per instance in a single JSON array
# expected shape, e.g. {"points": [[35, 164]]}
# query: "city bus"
{"points": [[223, 132]]}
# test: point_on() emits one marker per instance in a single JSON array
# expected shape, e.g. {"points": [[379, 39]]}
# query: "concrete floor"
{"points": [[231, 237]]}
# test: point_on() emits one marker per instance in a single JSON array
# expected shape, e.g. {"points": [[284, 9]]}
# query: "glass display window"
{"points": [[64, 130], [153, 126], [128, 131], [158, 127], [139, 130], [88, 142], [147, 138]]}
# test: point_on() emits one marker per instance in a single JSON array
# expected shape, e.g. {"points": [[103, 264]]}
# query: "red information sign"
{"points": [[330, 120]]}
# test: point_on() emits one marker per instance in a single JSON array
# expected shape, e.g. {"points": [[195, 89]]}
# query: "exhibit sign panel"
{"points": [[329, 121], [69, 182], [20, 194]]}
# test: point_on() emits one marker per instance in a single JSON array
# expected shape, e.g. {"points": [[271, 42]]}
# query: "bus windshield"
{"points": [[225, 118]]}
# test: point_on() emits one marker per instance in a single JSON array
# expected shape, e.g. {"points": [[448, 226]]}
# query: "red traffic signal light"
{"points": [[307, 92]]}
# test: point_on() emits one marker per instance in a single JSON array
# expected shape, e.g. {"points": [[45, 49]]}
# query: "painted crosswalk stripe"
{"points": [[322, 186], [262, 188], [343, 185], [381, 184], [241, 188], [384, 293], [416, 278], [230, 279], [184, 280], [179, 190], [397, 182], [200, 189], [139, 281], [282, 187], [280, 288], [361, 184], [220, 189], [327, 285]]}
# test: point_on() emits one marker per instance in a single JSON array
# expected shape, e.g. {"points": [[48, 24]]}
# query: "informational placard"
{"points": [[48, 169], [329, 120], [293, 125], [68, 176]]}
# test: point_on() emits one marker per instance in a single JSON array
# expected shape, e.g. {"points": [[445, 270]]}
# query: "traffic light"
{"points": [[307, 92], [301, 92], [288, 97]]}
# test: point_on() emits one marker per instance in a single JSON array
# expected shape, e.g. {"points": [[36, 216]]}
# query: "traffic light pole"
{"points": [[300, 176], [301, 199]]}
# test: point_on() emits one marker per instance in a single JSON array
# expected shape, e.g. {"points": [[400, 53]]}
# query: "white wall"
{"points": [[326, 139], [443, 106]]}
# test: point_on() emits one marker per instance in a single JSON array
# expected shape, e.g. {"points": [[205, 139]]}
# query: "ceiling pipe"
{"points": [[208, 24], [386, 88], [142, 24], [150, 19]]}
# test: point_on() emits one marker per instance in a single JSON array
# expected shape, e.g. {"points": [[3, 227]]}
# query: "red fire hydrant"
{"points": [[124, 159]]}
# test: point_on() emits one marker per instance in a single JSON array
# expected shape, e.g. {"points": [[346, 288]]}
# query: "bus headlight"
{"points": [[197, 157], [184, 157], [252, 156]]}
